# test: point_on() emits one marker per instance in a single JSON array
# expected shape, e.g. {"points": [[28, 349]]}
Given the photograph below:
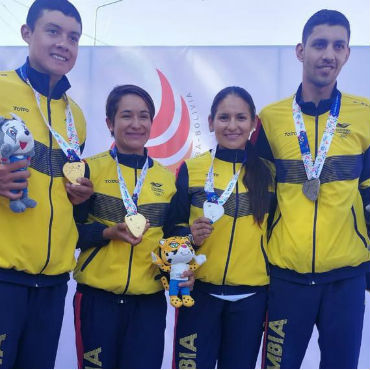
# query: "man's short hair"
{"points": [[325, 16], [37, 8]]}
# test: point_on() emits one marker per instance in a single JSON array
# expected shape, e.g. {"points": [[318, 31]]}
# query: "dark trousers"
{"points": [[218, 331], [336, 308], [30, 323], [115, 331]]}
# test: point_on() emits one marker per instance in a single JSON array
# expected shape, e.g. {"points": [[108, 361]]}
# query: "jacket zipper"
{"points": [[273, 227], [356, 229], [233, 228], [132, 248], [265, 257], [90, 258], [129, 270], [316, 201], [50, 187]]}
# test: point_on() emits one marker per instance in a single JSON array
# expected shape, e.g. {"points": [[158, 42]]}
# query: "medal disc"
{"points": [[73, 170], [213, 211], [136, 224], [311, 189]]}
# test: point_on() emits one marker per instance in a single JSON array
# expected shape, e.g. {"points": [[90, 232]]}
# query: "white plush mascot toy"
{"points": [[16, 144]]}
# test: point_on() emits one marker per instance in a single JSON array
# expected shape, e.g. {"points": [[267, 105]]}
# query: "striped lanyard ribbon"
{"points": [[71, 149], [209, 185], [129, 202], [313, 169]]}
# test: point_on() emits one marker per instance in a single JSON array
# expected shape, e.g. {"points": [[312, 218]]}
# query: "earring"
{"points": [[251, 133]]}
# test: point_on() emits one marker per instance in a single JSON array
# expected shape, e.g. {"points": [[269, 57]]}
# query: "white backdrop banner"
{"points": [[183, 82]]}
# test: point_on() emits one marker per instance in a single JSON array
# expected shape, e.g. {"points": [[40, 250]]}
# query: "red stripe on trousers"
{"points": [[79, 343]]}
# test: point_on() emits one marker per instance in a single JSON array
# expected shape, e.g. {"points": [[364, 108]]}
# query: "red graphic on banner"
{"points": [[166, 111], [171, 149]]}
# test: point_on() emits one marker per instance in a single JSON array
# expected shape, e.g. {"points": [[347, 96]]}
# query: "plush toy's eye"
{"points": [[12, 132], [174, 244]]}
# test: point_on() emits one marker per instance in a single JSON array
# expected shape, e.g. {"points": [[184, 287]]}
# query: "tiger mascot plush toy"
{"points": [[175, 255]]}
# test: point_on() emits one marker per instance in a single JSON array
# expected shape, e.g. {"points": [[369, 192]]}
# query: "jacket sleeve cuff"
{"points": [[91, 235]]}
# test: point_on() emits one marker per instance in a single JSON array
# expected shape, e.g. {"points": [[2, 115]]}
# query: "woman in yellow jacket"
{"points": [[222, 201], [120, 309]]}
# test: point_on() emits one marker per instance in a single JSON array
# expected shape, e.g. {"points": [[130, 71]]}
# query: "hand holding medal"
{"points": [[121, 231], [213, 207], [201, 229]]}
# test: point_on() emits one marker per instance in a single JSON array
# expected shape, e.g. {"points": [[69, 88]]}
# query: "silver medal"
{"points": [[213, 211], [311, 189]]}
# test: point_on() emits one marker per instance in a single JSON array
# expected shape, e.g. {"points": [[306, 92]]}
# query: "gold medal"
{"points": [[73, 170], [136, 224]]}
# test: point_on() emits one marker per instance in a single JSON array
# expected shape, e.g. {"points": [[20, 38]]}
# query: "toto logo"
{"points": [[170, 139]]}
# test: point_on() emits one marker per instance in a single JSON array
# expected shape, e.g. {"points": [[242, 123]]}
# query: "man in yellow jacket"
{"points": [[318, 249], [37, 246]]}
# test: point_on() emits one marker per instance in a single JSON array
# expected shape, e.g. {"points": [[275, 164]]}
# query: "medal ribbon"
{"points": [[129, 202], [313, 169], [209, 185], [71, 149]]}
